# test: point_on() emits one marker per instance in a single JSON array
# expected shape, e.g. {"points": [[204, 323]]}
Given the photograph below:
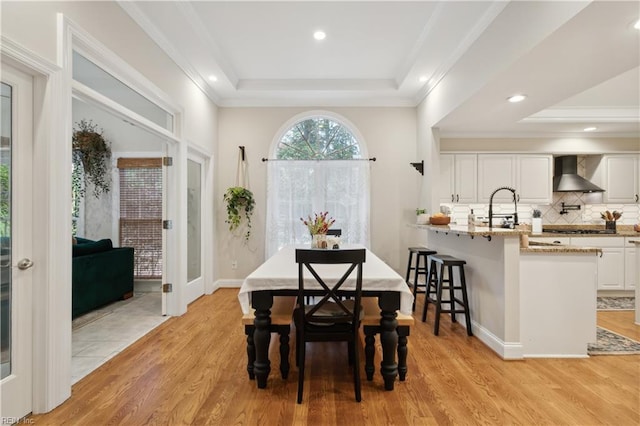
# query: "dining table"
{"points": [[278, 276]]}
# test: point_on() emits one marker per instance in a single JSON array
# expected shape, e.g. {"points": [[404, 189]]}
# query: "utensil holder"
{"points": [[536, 225], [610, 224]]}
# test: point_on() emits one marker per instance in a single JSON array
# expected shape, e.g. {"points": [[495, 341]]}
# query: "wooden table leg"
{"points": [[403, 332], [251, 350], [369, 350], [389, 303], [284, 331], [262, 302]]}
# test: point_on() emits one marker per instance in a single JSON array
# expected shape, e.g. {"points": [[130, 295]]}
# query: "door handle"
{"points": [[452, 198], [457, 197], [25, 264]]}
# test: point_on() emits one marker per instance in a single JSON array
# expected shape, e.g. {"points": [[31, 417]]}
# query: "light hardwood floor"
{"points": [[621, 322], [192, 370]]}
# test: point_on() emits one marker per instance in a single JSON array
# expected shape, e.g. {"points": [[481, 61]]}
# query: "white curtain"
{"points": [[297, 189]]}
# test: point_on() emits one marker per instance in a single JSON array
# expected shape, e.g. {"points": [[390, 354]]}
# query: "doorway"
{"points": [[130, 215]]}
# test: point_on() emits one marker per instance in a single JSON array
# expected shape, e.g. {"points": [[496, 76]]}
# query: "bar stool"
{"points": [[437, 284], [421, 254]]}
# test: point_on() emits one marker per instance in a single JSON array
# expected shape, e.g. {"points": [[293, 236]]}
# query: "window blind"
{"points": [[141, 213]]}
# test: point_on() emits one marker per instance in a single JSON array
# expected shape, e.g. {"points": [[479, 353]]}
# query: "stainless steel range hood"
{"points": [[566, 178]]}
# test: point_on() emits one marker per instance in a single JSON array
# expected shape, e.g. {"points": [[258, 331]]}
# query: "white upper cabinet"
{"points": [[621, 178], [458, 178], [618, 176], [495, 171], [534, 183]]}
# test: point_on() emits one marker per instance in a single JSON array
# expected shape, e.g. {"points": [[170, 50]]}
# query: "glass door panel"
{"points": [[5, 230], [194, 229]]}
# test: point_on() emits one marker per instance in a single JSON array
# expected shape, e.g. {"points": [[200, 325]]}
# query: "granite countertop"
{"points": [[539, 247], [621, 231], [477, 231], [534, 246]]}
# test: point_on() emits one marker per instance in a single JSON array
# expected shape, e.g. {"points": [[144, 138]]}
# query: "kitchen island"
{"points": [[538, 301]]}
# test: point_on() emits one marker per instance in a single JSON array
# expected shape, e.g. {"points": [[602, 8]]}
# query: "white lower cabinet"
{"points": [[611, 269], [630, 266], [611, 264]]}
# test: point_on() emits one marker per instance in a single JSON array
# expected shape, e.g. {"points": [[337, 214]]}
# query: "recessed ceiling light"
{"points": [[213, 78], [590, 129], [516, 98], [423, 78], [637, 25], [319, 35]]}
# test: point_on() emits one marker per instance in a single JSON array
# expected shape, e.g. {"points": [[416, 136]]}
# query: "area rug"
{"points": [[616, 303], [610, 343]]}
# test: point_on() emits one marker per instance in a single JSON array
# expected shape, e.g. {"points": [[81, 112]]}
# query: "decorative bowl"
{"points": [[440, 220]]}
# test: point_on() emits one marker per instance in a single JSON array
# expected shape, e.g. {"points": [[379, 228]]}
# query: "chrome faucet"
{"points": [[515, 203]]}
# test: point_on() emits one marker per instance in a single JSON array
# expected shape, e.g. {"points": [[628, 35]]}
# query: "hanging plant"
{"points": [[240, 203], [93, 153]]}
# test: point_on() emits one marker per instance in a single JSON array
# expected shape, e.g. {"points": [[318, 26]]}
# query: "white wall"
{"points": [[389, 135]]}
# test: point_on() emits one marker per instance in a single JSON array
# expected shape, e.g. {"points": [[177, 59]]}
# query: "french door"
{"points": [[16, 219]]}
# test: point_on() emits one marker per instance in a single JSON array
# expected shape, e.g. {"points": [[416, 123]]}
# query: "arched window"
{"points": [[318, 167], [318, 138]]}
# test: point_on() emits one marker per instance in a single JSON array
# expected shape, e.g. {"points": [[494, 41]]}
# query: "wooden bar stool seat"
{"points": [[437, 283], [420, 268]]}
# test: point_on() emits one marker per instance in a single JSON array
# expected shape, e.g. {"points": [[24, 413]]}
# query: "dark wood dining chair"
{"points": [[330, 319]]}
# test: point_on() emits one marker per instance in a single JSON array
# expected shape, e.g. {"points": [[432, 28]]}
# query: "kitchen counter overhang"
{"points": [[534, 246]]}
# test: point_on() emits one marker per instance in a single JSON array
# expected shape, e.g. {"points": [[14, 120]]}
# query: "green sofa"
{"points": [[101, 274]]}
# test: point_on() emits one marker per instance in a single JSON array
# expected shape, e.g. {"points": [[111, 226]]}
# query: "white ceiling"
{"points": [[578, 62]]}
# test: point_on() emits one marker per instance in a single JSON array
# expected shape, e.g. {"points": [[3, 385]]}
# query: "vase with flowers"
{"points": [[318, 227]]}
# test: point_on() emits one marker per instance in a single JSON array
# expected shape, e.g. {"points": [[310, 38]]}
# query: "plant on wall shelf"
{"points": [[91, 151], [240, 203]]}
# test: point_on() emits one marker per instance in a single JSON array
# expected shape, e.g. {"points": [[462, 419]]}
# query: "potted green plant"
{"points": [[240, 203], [91, 154], [422, 218]]}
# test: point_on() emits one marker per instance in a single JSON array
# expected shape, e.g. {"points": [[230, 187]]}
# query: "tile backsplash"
{"points": [[589, 212]]}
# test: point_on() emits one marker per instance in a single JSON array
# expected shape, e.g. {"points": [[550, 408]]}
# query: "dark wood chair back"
{"points": [[331, 318], [334, 232]]}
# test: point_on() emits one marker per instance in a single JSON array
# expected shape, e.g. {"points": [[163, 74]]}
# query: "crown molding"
{"points": [[447, 65], [140, 18]]}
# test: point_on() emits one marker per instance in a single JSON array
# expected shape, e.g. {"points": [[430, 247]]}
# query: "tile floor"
{"points": [[100, 335]]}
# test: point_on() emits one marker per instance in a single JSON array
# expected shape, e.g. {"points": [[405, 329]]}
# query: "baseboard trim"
{"points": [[147, 286], [505, 350], [227, 284]]}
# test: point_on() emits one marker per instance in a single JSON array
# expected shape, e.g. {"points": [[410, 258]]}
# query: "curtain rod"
{"points": [[323, 159]]}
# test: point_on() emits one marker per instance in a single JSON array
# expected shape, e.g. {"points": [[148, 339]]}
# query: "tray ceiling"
{"points": [[578, 62]]}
